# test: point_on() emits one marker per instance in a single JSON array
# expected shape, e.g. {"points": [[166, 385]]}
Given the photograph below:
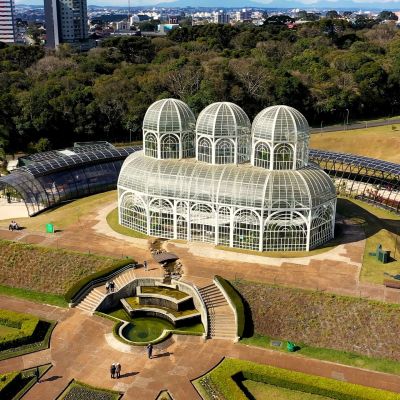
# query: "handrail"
{"points": [[95, 282]]}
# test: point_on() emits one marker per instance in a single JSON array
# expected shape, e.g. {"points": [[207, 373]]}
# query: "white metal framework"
{"points": [[168, 130], [277, 202]]}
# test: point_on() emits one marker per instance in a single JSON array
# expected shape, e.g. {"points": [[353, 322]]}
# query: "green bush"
{"points": [[237, 302], [99, 274], [25, 324], [6, 381], [226, 375]]}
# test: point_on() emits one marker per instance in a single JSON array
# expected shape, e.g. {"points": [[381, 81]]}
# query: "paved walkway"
{"points": [[79, 350]]}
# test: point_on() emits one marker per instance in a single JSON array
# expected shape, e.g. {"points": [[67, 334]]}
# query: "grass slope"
{"points": [[378, 142], [45, 270], [322, 320]]}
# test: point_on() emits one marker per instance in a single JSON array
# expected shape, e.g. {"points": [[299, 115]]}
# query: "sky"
{"points": [[330, 4]]}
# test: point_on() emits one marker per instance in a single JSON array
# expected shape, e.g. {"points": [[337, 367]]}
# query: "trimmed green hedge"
{"points": [[226, 376], [25, 324], [237, 302], [7, 383], [99, 274]]}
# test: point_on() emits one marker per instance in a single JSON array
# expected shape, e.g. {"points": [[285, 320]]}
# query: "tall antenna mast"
{"points": [[129, 9]]}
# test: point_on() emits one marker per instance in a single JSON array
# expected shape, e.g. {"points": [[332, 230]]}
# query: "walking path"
{"points": [[79, 350]]}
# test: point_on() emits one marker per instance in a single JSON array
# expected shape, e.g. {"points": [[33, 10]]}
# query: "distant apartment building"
{"points": [[7, 22], [66, 22], [221, 17], [243, 15]]}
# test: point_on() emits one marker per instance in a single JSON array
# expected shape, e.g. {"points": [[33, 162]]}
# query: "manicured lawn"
{"points": [[6, 330], [380, 227], [337, 356], [175, 294], [263, 391], [120, 313], [66, 215], [134, 303], [377, 142], [37, 297], [112, 220]]}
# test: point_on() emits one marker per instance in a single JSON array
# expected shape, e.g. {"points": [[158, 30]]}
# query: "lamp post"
{"points": [[347, 117], [321, 125]]}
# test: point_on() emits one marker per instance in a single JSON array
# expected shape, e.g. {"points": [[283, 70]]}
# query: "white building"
{"points": [[224, 181], [7, 22], [66, 22]]}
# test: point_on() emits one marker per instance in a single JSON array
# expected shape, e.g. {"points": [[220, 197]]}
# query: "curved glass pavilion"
{"points": [[49, 178], [278, 201]]}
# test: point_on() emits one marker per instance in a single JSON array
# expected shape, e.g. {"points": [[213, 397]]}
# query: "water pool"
{"points": [[145, 329]]}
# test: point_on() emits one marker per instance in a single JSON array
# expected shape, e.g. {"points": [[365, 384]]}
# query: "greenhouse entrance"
{"points": [[203, 233]]}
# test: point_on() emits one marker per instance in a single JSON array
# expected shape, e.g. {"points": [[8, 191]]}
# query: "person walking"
{"points": [[118, 370], [112, 370], [107, 287], [149, 350], [112, 286], [145, 265]]}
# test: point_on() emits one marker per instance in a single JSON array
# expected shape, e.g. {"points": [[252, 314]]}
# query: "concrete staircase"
{"points": [[221, 319], [93, 299]]}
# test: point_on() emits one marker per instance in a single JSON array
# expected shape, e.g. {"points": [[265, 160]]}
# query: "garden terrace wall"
{"points": [[323, 320]]}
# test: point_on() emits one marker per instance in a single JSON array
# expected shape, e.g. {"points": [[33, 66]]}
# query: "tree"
{"points": [[332, 14], [134, 49], [387, 16]]}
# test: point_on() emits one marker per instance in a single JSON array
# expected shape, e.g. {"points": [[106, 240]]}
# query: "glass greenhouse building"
{"points": [[225, 181], [47, 179]]}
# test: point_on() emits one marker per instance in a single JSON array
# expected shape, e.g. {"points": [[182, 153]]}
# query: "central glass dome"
{"points": [[223, 134]]}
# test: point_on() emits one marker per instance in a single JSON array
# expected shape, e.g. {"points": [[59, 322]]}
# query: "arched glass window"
{"points": [[285, 231], [133, 213], [224, 152], [243, 149], [321, 225], [224, 226], [169, 146], [262, 155], [204, 150], [202, 227], [283, 157], [181, 220], [246, 230], [188, 145], [150, 143], [161, 219]]}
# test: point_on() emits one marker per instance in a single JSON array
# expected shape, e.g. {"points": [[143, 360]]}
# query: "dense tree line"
{"points": [[323, 68]]}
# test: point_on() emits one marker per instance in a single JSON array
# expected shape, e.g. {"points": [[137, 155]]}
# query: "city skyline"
{"points": [[308, 4]]}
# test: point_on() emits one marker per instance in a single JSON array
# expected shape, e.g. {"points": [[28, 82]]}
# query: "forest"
{"points": [[324, 68]]}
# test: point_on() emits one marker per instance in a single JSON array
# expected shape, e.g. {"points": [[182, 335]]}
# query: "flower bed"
{"points": [[80, 391]]}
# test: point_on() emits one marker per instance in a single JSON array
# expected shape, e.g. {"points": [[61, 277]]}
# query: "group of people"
{"points": [[110, 287], [13, 226], [115, 370]]}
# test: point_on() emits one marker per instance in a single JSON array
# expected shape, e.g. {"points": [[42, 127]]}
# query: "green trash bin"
{"points": [[290, 346], [49, 228]]}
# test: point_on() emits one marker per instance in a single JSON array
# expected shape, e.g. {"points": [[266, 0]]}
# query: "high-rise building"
{"points": [[7, 21], [66, 22], [221, 17]]}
